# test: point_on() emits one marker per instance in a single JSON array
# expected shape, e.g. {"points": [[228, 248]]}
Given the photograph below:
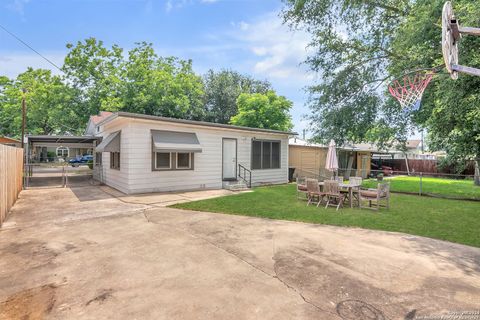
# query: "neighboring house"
{"points": [[52, 148], [309, 158], [415, 150], [94, 120], [10, 142], [141, 153]]}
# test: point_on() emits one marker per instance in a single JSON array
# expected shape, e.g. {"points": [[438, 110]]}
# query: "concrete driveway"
{"points": [[93, 253]]}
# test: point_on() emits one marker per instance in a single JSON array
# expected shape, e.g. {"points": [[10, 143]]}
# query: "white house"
{"points": [[142, 153]]}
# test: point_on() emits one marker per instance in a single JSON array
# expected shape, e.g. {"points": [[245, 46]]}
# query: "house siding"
{"points": [[136, 174], [117, 179]]}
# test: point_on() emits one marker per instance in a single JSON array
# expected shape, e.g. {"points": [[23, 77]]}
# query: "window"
{"points": [[115, 160], [172, 161], [257, 154], [163, 160], [62, 152], [183, 160], [98, 158], [265, 154], [275, 154]]}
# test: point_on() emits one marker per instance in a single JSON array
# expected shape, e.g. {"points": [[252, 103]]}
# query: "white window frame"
{"points": [[62, 148], [189, 161], [169, 161], [115, 163]]}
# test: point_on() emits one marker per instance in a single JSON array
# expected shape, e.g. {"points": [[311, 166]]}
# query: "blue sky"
{"points": [[244, 35]]}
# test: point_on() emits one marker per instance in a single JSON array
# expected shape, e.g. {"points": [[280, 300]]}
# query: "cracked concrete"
{"points": [[89, 252]]}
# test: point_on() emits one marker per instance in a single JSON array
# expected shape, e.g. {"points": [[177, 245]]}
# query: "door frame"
{"points": [[236, 159]]}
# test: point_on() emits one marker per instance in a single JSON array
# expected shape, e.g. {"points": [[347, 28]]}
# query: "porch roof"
{"points": [[61, 139]]}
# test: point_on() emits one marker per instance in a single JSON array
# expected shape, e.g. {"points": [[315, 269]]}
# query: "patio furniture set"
{"points": [[336, 193]]}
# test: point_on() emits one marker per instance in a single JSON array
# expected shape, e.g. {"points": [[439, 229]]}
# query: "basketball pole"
{"points": [[464, 69]]}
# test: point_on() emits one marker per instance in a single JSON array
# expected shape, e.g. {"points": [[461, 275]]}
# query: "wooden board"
{"points": [[11, 178]]}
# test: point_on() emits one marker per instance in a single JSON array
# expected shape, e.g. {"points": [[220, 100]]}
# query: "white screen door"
{"points": [[229, 159]]}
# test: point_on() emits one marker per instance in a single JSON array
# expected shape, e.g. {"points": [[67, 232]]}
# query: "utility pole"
{"points": [[24, 115]]}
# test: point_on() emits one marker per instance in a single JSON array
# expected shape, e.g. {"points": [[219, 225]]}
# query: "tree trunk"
{"points": [[476, 180]]}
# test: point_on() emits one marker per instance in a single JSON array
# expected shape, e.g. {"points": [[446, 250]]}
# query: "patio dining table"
{"points": [[350, 189]]}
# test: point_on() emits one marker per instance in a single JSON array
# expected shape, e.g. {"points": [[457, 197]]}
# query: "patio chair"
{"points": [[382, 193], [314, 193], [339, 179], [302, 188], [356, 181], [332, 192]]}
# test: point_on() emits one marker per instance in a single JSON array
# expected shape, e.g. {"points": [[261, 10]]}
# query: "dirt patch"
{"points": [[100, 298], [358, 310], [32, 304]]}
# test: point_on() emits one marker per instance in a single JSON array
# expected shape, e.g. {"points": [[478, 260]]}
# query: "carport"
{"points": [[47, 160]]}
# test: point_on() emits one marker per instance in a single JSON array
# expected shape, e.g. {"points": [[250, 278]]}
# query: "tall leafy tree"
{"points": [[49, 104], [93, 71], [360, 45], [222, 90], [141, 81], [351, 41], [267, 111], [160, 86]]}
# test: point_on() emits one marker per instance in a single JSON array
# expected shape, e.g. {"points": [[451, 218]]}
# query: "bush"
{"points": [[90, 164]]}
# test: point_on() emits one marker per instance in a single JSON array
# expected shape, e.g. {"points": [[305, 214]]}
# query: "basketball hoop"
{"points": [[409, 90]]}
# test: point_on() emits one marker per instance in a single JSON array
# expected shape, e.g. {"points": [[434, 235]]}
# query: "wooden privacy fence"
{"points": [[11, 178]]}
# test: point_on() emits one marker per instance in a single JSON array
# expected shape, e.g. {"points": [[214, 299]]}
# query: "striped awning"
{"points": [[110, 144], [173, 141]]}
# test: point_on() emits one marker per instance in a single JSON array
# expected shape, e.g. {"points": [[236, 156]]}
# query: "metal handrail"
{"points": [[244, 176]]}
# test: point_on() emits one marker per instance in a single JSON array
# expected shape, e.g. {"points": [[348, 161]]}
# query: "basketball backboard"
{"points": [[451, 34]]}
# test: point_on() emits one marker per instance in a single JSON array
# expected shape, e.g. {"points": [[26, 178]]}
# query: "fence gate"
{"points": [[56, 175]]}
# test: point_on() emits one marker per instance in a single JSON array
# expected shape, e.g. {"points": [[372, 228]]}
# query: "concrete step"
{"points": [[235, 185]]}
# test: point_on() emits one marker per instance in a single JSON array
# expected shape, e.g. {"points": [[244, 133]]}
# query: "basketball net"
{"points": [[409, 90]]}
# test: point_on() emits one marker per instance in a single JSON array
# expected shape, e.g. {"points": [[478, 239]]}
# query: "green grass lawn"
{"points": [[452, 220], [437, 186]]}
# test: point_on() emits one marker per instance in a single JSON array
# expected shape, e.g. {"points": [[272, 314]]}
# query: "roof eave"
{"points": [[189, 122]]}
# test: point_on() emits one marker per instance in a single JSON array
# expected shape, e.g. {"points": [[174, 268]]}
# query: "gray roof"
{"points": [[191, 122]]}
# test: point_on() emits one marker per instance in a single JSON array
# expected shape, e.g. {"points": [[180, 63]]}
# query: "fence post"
{"points": [[64, 178], [421, 175]]}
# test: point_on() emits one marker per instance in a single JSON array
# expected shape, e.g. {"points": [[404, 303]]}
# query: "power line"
{"points": [[28, 46]]}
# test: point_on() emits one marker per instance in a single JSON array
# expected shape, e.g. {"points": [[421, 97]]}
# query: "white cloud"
{"points": [[168, 6], [243, 26], [18, 6], [178, 4], [279, 52], [148, 6], [14, 63]]}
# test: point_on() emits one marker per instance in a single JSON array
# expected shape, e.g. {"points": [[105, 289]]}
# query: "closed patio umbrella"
{"points": [[332, 160]]}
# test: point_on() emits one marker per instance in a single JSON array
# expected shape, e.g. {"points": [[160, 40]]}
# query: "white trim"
{"points": [[63, 149]]}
